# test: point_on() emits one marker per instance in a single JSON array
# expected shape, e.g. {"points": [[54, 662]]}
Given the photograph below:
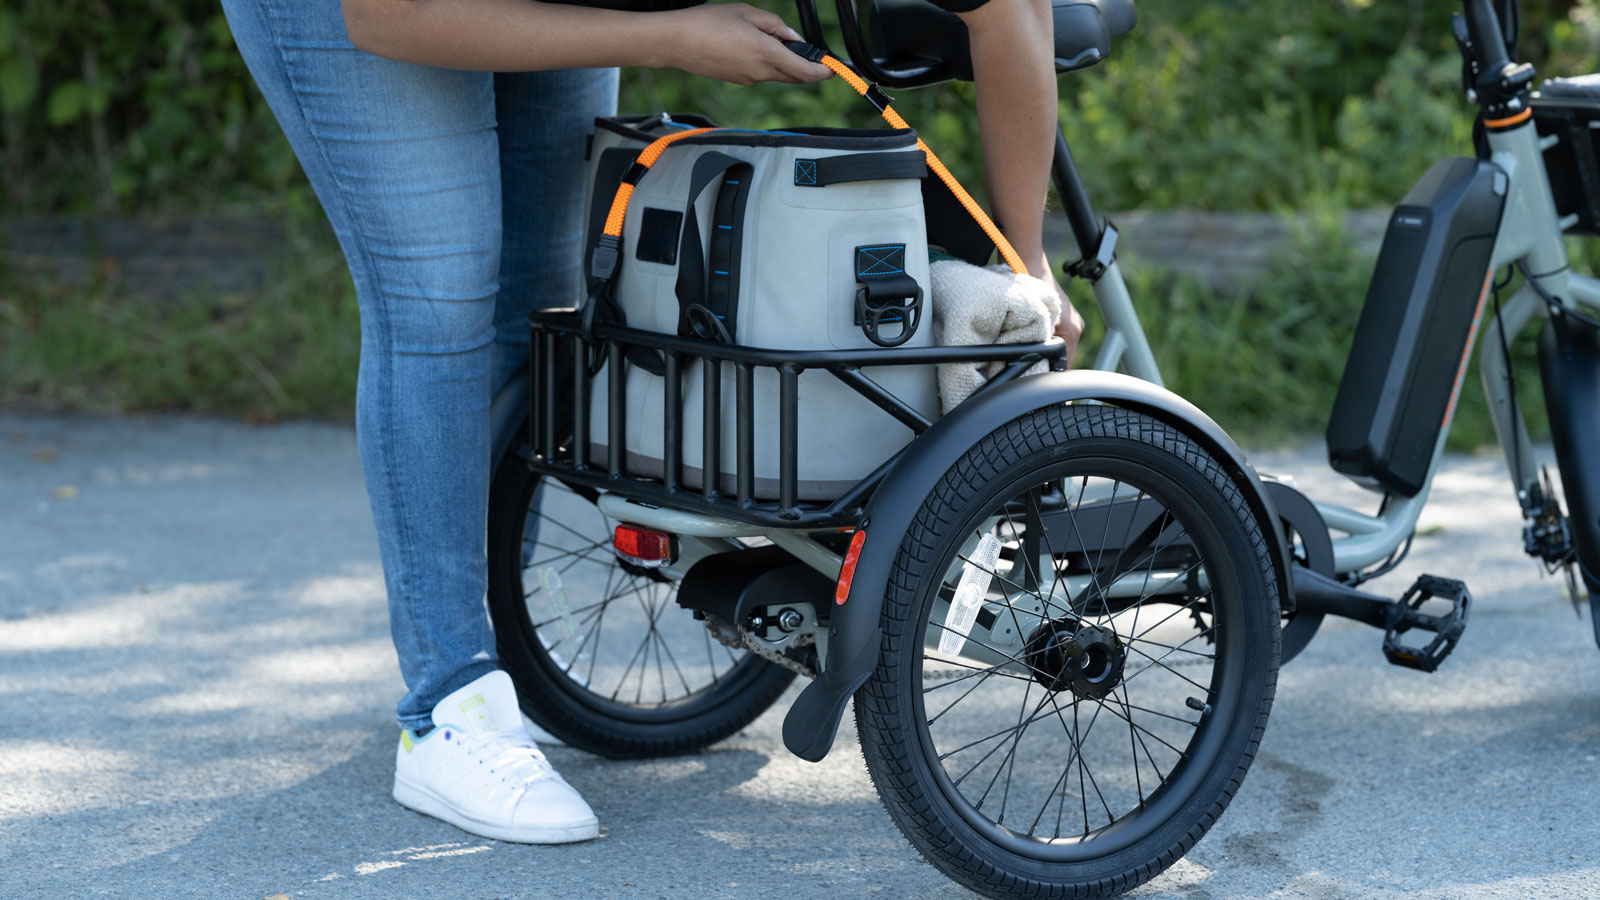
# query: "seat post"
{"points": [[1075, 199]]}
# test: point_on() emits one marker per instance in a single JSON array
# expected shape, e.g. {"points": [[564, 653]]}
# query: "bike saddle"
{"points": [[911, 43], [1582, 87]]}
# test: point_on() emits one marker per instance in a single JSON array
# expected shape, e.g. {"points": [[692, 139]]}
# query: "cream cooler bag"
{"points": [[765, 239]]}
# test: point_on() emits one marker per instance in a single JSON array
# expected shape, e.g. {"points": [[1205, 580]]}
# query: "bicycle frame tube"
{"points": [[1125, 342], [1530, 232]]}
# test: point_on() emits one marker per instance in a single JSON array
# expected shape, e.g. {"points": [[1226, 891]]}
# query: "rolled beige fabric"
{"points": [[993, 305]]}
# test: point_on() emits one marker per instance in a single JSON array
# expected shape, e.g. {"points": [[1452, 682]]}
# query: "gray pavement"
{"points": [[196, 689]]}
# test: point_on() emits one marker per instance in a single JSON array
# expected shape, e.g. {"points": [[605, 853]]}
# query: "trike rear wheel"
{"points": [[1159, 621], [601, 654]]}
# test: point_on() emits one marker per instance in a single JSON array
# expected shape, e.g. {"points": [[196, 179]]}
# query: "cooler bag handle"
{"points": [[853, 167], [708, 300], [882, 101], [602, 304]]}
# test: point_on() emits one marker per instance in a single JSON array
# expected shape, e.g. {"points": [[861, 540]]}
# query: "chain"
{"points": [[747, 641]]}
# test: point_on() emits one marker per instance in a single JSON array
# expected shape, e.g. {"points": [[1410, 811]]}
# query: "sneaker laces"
{"points": [[512, 755]]}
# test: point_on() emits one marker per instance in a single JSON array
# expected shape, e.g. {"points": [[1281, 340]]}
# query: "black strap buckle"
{"points": [[881, 301], [603, 261], [885, 294], [602, 308], [1091, 269]]}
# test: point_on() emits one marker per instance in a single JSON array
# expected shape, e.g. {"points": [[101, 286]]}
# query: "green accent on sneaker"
{"points": [[479, 716], [405, 739]]}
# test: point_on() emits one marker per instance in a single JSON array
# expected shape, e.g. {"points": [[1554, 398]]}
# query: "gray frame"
{"points": [[1530, 231]]}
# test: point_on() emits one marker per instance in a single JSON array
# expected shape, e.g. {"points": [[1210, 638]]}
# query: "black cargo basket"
{"points": [[1573, 164], [562, 384]]}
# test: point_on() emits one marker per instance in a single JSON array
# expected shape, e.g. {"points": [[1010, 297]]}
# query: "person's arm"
{"points": [[1013, 62], [731, 42]]}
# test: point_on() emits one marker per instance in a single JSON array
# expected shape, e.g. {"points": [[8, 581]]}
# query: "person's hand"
{"points": [[737, 43], [1070, 326]]}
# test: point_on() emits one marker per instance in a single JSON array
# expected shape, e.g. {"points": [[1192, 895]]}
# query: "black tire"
{"points": [[723, 690], [1034, 460]]}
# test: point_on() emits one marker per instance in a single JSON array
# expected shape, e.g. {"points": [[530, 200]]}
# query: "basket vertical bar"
{"points": [[711, 428], [536, 404], [547, 428], [580, 404], [616, 398], [672, 424], [788, 435], [745, 415]]}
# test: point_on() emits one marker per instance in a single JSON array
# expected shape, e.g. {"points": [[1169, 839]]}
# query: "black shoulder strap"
{"points": [[715, 287]]}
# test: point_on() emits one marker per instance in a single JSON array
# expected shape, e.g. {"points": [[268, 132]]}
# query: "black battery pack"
{"points": [[1410, 351]]}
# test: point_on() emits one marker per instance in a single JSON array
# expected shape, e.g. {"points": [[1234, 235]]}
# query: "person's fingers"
{"points": [[798, 70], [1069, 335], [1069, 328], [771, 23]]}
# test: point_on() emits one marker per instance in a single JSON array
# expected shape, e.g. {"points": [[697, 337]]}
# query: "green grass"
{"points": [[289, 351]]}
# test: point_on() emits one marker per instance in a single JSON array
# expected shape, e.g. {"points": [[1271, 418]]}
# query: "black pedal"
{"points": [[1405, 615]]}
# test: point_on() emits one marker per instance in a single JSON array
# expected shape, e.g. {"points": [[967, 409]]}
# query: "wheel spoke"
{"points": [[1152, 734], [976, 670], [983, 677], [1187, 605], [1146, 747], [565, 552], [1180, 647], [1010, 757], [1157, 661], [1077, 747], [995, 650], [1001, 733]]}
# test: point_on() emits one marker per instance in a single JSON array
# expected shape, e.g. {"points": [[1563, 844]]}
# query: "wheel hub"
{"points": [[1066, 654]]}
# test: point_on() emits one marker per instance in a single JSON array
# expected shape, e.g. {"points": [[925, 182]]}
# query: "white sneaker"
{"points": [[478, 770]]}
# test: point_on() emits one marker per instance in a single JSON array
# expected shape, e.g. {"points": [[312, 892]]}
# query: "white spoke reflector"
{"points": [[550, 580], [976, 575]]}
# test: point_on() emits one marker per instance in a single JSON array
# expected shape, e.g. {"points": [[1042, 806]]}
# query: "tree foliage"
{"points": [[1208, 104]]}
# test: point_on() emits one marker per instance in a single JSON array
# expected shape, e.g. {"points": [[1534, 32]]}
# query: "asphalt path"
{"points": [[197, 684]]}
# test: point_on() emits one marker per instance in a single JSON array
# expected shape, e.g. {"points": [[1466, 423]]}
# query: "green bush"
{"points": [[131, 107], [140, 107]]}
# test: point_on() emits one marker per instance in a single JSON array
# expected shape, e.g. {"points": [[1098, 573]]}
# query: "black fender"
{"points": [[853, 633]]}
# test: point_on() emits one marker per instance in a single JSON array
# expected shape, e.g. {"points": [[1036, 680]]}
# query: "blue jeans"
{"points": [[457, 198]]}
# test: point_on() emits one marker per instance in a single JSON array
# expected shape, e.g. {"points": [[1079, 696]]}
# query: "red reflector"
{"points": [[848, 573], [642, 545]]}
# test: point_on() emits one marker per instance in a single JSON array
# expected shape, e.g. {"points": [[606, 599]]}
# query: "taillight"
{"points": [[643, 546], [848, 572]]}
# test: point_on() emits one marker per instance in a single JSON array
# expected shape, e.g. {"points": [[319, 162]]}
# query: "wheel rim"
{"points": [[1037, 752], [611, 633]]}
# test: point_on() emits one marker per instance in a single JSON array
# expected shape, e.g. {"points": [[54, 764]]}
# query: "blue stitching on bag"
{"points": [[805, 172], [870, 261]]}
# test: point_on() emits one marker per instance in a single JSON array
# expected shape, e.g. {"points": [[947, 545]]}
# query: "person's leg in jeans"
{"points": [[543, 120], [405, 161]]}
